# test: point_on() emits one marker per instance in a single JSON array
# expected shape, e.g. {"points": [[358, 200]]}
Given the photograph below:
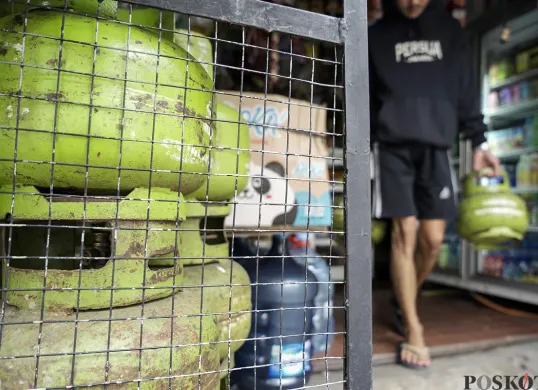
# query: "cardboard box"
{"points": [[293, 188]]}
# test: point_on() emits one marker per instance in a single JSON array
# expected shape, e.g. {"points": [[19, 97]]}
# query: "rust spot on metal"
{"points": [[98, 154], [164, 274], [138, 42], [162, 104], [95, 110], [134, 248], [54, 97], [3, 51], [119, 126], [97, 51]]}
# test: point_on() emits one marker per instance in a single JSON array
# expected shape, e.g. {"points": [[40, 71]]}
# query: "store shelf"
{"points": [[515, 79], [521, 292], [516, 153], [513, 111], [525, 190]]}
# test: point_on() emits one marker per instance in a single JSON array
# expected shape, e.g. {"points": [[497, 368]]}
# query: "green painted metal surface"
{"points": [[30, 204], [184, 331], [196, 247], [491, 216], [108, 8], [230, 157], [198, 47], [130, 248], [163, 22], [226, 293], [127, 272], [146, 123]]}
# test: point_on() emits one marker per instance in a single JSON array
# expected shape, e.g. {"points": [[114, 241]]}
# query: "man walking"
{"points": [[422, 94]]}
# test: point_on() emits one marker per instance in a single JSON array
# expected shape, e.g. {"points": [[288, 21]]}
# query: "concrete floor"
{"points": [[446, 373]]}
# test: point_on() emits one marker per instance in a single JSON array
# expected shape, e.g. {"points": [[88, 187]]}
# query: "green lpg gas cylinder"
{"points": [[490, 215], [123, 348], [159, 22], [114, 254], [70, 124], [197, 46], [103, 8], [226, 292], [230, 157], [203, 239]]}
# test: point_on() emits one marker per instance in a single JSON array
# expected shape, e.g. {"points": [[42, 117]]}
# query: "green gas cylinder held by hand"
{"points": [[490, 216]]}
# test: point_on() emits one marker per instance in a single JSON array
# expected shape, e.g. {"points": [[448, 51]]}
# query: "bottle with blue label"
{"points": [[298, 246], [279, 350]]}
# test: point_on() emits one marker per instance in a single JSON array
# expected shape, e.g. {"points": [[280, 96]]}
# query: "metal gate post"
{"points": [[357, 197]]}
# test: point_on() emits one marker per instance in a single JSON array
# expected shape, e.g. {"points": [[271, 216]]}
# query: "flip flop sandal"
{"points": [[418, 351], [398, 317]]}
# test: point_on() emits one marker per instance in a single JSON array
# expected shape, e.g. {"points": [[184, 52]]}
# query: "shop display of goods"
{"points": [[102, 264], [515, 138], [527, 59], [226, 291], [500, 70], [506, 140], [492, 265], [490, 215], [527, 170], [194, 357], [103, 8], [493, 99], [229, 155], [519, 264], [58, 104]]}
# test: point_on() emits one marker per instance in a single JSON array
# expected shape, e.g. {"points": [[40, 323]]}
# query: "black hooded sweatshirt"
{"points": [[422, 89]]}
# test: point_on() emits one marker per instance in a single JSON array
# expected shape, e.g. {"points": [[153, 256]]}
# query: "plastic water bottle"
{"points": [[298, 246], [278, 352]]}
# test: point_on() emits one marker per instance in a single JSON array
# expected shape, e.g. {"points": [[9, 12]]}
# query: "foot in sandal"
{"points": [[414, 353]]}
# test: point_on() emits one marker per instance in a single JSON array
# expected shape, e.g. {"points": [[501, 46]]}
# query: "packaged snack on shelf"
{"points": [[523, 171], [511, 266], [531, 131], [515, 94], [534, 170], [511, 171], [505, 96], [491, 265], [493, 73], [524, 91], [493, 99], [506, 69], [527, 60], [533, 89]]}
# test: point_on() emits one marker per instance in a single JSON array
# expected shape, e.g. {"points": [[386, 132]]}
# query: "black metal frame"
{"points": [[350, 31]]}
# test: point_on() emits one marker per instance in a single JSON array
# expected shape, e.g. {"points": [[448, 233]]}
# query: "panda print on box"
{"points": [[264, 198]]}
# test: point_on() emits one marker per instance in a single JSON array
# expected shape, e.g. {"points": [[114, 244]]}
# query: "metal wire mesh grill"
{"points": [[164, 179]]}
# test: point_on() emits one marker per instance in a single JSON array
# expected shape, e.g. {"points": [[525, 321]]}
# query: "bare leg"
{"points": [[404, 279], [430, 238]]}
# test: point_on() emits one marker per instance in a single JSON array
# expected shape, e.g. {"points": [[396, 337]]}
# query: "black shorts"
{"points": [[413, 181]]}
